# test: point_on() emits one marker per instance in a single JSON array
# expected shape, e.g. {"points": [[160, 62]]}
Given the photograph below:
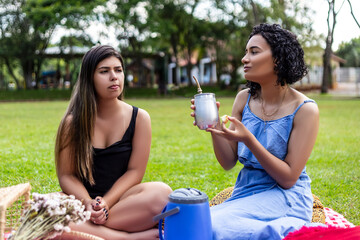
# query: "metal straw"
{"points": [[198, 85]]}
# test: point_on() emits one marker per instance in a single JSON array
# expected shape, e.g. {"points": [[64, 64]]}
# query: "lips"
{"points": [[114, 87], [246, 68]]}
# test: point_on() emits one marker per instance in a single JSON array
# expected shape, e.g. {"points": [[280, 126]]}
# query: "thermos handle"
{"points": [[161, 236], [162, 216], [166, 214]]}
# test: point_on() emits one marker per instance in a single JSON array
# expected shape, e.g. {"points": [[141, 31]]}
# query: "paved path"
{"points": [[346, 89]]}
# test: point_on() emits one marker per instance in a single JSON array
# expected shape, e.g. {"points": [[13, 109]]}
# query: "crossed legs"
{"points": [[131, 217]]}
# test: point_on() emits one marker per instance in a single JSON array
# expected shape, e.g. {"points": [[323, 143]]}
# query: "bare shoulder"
{"points": [[143, 123], [143, 115], [65, 124], [309, 109], [68, 119], [242, 95], [240, 101]]}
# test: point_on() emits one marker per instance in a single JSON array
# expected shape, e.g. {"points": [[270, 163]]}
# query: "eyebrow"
{"points": [[105, 67], [252, 47]]}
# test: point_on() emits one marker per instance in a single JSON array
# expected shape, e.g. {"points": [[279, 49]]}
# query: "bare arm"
{"points": [[301, 142], [72, 185], [69, 182], [225, 149], [138, 160]]}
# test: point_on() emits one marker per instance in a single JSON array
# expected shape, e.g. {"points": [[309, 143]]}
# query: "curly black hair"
{"points": [[286, 51]]}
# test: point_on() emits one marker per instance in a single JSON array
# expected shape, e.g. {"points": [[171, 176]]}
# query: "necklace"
{"points": [[267, 115]]}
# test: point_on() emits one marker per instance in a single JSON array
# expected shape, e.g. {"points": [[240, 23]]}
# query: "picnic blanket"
{"points": [[336, 227], [327, 232], [333, 218]]}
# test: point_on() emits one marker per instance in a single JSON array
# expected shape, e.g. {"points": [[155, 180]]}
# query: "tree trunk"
{"points": [[2, 80], [37, 69], [327, 73], [28, 69], [189, 66], [188, 73], [255, 13], [174, 47], [327, 78], [8, 65], [234, 76]]}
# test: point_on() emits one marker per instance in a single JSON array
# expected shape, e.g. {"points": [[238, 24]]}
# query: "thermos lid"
{"points": [[188, 196]]}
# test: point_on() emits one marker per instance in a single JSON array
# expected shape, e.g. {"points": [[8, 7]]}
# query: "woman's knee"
{"points": [[156, 196], [162, 188]]}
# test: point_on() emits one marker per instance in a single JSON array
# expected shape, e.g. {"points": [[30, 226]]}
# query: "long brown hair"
{"points": [[77, 126]]}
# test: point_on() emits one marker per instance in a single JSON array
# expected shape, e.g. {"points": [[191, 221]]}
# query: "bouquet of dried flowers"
{"points": [[49, 215]]}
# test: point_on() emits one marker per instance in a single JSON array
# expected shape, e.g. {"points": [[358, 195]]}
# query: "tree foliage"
{"points": [[173, 27], [26, 27], [350, 51], [240, 17]]}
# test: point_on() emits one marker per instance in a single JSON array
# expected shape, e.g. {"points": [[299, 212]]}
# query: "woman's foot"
{"points": [[151, 234]]}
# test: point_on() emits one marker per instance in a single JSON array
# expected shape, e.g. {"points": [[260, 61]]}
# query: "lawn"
{"points": [[182, 155]]}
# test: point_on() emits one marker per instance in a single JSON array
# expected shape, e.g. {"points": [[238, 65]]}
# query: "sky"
{"points": [[345, 28]]}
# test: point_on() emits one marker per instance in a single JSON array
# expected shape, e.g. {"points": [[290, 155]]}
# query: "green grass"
{"points": [[181, 155], [64, 94], [41, 94]]}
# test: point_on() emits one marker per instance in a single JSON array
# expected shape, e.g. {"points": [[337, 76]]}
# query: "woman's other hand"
{"points": [[101, 208], [97, 216], [98, 209], [239, 134]]}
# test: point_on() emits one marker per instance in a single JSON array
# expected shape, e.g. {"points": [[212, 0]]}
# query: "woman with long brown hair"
{"points": [[101, 152]]}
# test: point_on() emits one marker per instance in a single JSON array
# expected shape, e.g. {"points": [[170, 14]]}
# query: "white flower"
{"points": [[49, 215], [58, 227]]}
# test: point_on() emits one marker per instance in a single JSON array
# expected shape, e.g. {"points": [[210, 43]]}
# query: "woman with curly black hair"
{"points": [[272, 132]]}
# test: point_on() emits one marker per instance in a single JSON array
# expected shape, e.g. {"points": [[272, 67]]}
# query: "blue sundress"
{"points": [[259, 208]]}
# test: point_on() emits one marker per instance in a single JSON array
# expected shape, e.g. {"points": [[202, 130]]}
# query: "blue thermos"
{"points": [[186, 216]]}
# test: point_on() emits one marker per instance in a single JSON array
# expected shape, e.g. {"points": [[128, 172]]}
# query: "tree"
{"points": [[166, 26], [332, 13], [241, 16], [234, 28], [352, 13], [350, 52], [66, 45], [28, 25], [331, 23], [130, 19], [174, 28]]}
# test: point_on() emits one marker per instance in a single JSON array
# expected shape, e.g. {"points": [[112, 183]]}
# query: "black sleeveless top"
{"points": [[110, 163]]}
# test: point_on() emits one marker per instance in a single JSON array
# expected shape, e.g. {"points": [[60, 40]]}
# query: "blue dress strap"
{"points": [[247, 104], [248, 99], [306, 101]]}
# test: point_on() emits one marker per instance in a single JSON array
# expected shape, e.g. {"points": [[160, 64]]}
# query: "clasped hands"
{"points": [[99, 210], [236, 132]]}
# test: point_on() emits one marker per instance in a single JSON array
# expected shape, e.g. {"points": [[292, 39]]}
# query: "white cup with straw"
{"points": [[206, 111]]}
